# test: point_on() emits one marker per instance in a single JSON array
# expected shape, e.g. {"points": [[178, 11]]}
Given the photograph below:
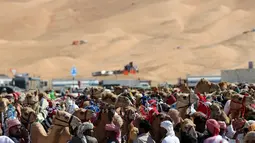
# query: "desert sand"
{"points": [[36, 36]]}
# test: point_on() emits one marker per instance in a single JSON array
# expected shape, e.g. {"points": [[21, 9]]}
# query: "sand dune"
{"points": [[36, 36]]}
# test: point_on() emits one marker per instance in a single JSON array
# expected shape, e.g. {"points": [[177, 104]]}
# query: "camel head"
{"points": [[203, 86], [188, 127], [31, 99], [239, 100], [223, 86], [215, 109], [123, 101], [130, 113], [106, 114], [4, 102], [84, 114], [118, 90], [184, 99], [184, 88], [109, 97], [65, 119], [95, 92], [228, 94], [28, 115], [174, 115], [214, 88]]}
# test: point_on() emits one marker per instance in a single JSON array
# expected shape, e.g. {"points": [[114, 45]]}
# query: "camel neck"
{"points": [[55, 133]]}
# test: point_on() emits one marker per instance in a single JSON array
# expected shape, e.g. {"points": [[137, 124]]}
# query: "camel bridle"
{"points": [[27, 121], [63, 121]]}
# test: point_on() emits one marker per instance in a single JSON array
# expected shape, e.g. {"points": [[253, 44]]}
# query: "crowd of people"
{"points": [[123, 115]]}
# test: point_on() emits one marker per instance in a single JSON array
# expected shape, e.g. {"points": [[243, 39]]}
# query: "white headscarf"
{"points": [[82, 128], [169, 127], [5, 139]]}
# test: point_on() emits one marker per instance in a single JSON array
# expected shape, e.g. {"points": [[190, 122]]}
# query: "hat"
{"points": [[171, 100], [84, 127], [222, 125], [213, 127], [88, 126], [111, 127], [12, 123], [166, 124]]}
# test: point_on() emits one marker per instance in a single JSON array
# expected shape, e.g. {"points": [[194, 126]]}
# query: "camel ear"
{"points": [[57, 113]]}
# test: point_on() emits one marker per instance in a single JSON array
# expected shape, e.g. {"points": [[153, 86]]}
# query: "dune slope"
{"points": [[36, 36]]}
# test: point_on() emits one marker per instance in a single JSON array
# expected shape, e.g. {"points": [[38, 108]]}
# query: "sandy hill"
{"points": [[36, 36]]}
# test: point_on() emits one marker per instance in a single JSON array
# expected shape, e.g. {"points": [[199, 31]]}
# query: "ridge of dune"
{"points": [[166, 39]]}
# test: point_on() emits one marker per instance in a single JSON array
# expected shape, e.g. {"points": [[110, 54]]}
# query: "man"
{"points": [[144, 134], [213, 128], [112, 131], [70, 104], [170, 135], [84, 134], [16, 132], [5, 139], [43, 104]]}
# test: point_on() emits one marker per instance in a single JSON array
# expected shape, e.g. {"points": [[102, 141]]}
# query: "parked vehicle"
{"points": [[10, 89]]}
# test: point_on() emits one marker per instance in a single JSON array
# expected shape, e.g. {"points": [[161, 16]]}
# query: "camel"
{"points": [[118, 90], [32, 100], [188, 129], [28, 116], [205, 86], [4, 104], [227, 94], [60, 122], [218, 114], [238, 105], [249, 113], [184, 101], [3, 108], [123, 101], [105, 116], [223, 86], [84, 114], [94, 92], [129, 117], [108, 97], [184, 88]]}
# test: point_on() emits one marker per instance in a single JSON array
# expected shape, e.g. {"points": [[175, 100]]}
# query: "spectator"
{"points": [[170, 135]]}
